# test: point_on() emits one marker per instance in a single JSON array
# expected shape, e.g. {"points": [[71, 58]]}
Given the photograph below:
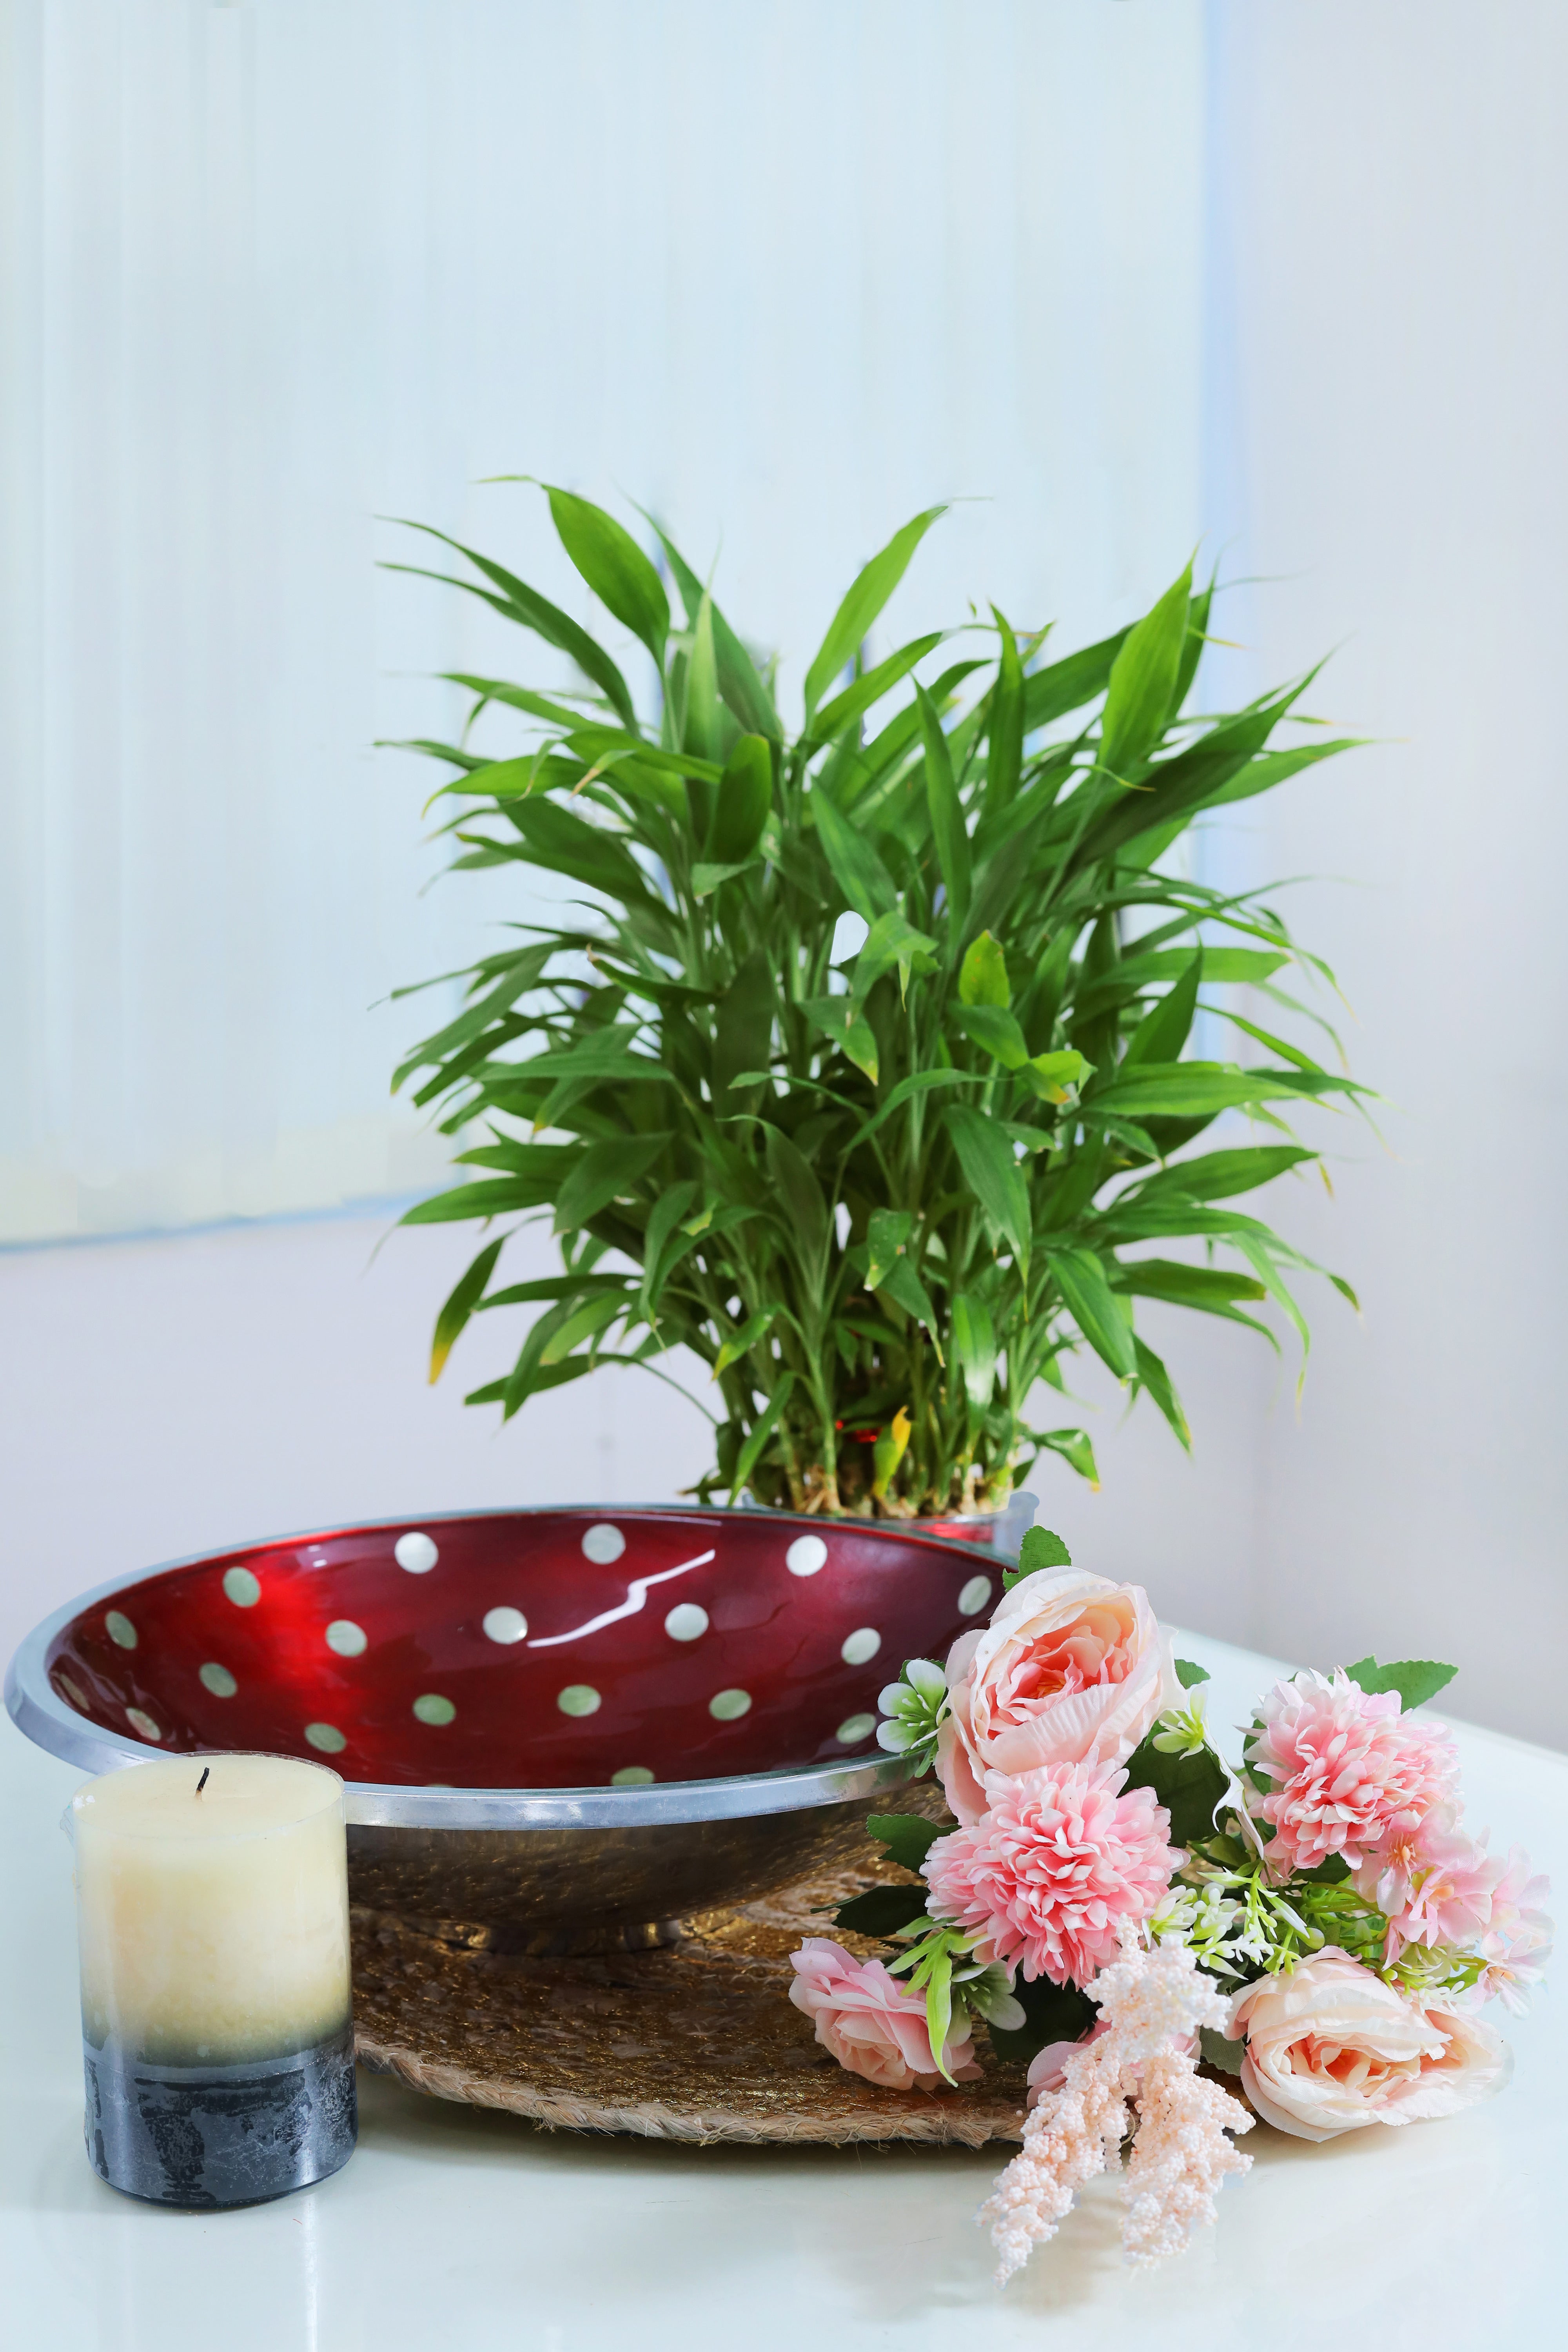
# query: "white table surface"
{"points": [[450, 2227]]}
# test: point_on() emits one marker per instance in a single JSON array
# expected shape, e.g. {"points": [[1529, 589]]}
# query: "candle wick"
{"points": [[201, 1783]]}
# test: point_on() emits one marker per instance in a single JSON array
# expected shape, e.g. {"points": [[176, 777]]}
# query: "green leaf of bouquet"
{"points": [[881, 1910], [1219, 2050], [1053, 2013], [1189, 1675], [906, 1836], [983, 975], [1415, 1680], [868, 594], [1189, 1786], [1041, 1548]]}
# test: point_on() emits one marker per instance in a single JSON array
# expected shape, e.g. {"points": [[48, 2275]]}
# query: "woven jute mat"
{"points": [[697, 2040]]}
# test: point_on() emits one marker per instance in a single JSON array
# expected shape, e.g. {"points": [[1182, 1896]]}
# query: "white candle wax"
{"points": [[214, 1927]]}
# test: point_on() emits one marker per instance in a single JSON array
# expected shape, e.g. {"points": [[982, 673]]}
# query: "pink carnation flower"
{"points": [[1517, 1941], [1432, 1883], [873, 2024], [1345, 1765], [1055, 1870]]}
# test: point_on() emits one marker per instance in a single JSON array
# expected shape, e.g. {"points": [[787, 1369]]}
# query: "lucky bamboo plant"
{"points": [[881, 1190]]}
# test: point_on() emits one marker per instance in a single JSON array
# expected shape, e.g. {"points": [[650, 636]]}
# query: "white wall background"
{"points": [[1378, 285], [787, 271]]}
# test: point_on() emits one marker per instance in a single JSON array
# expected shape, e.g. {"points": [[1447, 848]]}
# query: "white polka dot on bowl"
{"points": [[326, 1736], [347, 1639], [975, 1596], [686, 1622], [604, 1543], [119, 1630], [855, 1728], [217, 1679], [143, 1723], [578, 1698], [631, 1776], [416, 1552], [858, 1648], [505, 1624], [242, 1587], [806, 1555], [729, 1706], [431, 1707]]}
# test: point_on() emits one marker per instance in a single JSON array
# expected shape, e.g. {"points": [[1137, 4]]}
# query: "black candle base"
{"points": [[211, 2137]]}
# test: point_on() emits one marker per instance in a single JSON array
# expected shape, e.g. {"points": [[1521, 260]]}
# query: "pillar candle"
{"points": [[212, 1908]]}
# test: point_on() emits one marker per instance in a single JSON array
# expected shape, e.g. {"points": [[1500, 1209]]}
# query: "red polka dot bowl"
{"points": [[558, 1727]]}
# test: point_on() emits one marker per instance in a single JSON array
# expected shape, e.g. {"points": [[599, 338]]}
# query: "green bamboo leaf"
{"points": [[919, 1082], [746, 1462], [745, 798], [1221, 1173], [587, 1322], [996, 1031], [974, 1345], [465, 1296], [1053, 1077], [800, 1194], [741, 1343], [706, 879], [845, 709], [866, 884], [1066, 685], [838, 1018], [887, 1235], [663, 1218], [992, 1174], [1005, 761], [604, 1171], [983, 975], [1162, 1031], [491, 1197], [1270, 768], [890, 941], [745, 694], [1090, 1301], [948, 827], [1186, 1089], [867, 596], [743, 1026], [1073, 1447], [903, 1285], [518, 601], [557, 838], [1153, 1377], [1142, 686], [613, 566]]}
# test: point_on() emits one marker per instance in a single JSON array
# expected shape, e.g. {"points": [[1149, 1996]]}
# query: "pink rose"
{"points": [[1060, 1863], [873, 2024], [1331, 2048], [1346, 1767], [1072, 1669]]}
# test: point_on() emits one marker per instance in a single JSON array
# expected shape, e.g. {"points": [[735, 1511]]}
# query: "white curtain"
{"points": [[786, 270]]}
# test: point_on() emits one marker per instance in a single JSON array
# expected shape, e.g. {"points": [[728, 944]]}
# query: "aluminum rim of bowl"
{"points": [[43, 1717]]}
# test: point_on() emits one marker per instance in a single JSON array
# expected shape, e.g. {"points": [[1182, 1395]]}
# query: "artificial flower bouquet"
{"points": [[1133, 1918]]}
